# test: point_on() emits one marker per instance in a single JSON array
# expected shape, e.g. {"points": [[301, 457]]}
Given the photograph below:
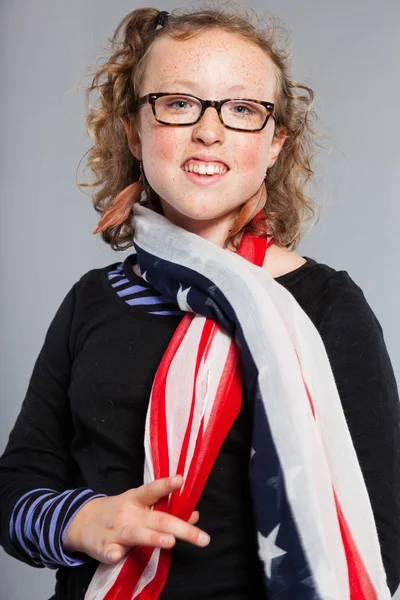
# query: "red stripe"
{"points": [[211, 338], [225, 409], [130, 574], [224, 412], [361, 587], [253, 248], [153, 589], [158, 429]]}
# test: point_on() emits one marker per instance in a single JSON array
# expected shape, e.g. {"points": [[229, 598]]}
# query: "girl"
{"points": [[217, 416]]}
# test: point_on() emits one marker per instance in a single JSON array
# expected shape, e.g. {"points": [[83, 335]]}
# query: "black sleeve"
{"points": [[367, 387], [36, 499]]}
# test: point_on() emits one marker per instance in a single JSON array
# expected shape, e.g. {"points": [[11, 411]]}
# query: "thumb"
{"points": [[113, 553]]}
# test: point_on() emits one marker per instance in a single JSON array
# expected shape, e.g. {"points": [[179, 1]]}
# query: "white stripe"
{"points": [[215, 365], [106, 575], [178, 392], [103, 580], [148, 474], [179, 389], [148, 573]]}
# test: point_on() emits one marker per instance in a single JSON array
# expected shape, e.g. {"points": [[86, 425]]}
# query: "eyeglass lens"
{"points": [[181, 110]]}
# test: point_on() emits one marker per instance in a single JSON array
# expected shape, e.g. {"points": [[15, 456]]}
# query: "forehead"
{"points": [[214, 62]]}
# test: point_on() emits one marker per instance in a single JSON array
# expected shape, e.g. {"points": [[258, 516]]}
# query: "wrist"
{"points": [[76, 532]]}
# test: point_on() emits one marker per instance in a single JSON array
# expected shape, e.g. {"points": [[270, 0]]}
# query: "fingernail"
{"points": [[176, 479], [111, 556], [166, 540], [203, 539]]}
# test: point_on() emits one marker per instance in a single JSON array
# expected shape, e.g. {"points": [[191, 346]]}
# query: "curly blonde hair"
{"points": [[117, 84]]}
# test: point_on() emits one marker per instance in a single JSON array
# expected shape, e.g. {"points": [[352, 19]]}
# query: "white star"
{"points": [[252, 453], [274, 482], [268, 550], [144, 276], [181, 298]]}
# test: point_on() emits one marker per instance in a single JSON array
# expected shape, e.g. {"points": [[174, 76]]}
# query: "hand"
{"points": [[107, 528]]}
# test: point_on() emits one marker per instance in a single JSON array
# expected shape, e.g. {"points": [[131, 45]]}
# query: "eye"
{"points": [[179, 104], [242, 109]]}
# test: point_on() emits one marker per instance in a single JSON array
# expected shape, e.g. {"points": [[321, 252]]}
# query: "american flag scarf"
{"points": [[243, 331]]}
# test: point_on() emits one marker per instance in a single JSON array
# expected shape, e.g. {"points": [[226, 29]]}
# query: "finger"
{"points": [[143, 536], [169, 524], [194, 517], [150, 493]]}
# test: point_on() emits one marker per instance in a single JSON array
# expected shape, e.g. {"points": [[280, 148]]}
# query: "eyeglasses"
{"points": [[179, 110]]}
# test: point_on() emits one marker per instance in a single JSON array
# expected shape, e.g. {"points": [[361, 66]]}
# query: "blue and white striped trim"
{"points": [[133, 295], [39, 521]]}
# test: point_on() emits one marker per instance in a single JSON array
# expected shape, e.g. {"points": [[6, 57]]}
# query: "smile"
{"points": [[204, 179], [204, 169]]}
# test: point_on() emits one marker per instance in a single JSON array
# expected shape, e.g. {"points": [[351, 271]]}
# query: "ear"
{"points": [[277, 143], [133, 135]]}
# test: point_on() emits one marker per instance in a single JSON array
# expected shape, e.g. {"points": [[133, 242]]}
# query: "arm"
{"points": [[36, 499], [368, 391]]}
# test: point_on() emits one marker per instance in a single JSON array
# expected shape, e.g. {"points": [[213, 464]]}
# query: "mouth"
{"points": [[204, 172]]}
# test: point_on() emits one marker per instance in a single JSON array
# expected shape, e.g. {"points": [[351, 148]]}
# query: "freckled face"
{"points": [[215, 62]]}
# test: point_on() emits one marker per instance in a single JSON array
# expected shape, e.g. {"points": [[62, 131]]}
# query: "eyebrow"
{"points": [[187, 83]]}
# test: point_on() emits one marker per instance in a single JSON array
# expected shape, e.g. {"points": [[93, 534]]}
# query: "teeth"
{"points": [[205, 169]]}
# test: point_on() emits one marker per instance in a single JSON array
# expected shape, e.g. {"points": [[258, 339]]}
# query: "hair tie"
{"points": [[162, 18]]}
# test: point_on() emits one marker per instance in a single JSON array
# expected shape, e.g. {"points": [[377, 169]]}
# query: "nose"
{"points": [[209, 129]]}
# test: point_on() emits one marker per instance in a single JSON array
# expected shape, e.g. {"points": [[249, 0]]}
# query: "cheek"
{"points": [[163, 146], [250, 153]]}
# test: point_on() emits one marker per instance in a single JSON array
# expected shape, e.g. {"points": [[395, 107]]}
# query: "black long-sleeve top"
{"points": [[80, 431]]}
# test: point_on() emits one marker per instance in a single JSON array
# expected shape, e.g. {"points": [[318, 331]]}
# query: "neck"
{"points": [[214, 230]]}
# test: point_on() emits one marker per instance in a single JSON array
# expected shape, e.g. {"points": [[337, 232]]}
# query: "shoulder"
{"points": [[86, 297], [90, 285], [94, 277], [87, 305], [96, 287], [329, 296]]}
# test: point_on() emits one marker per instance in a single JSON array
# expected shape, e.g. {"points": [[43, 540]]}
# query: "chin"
{"points": [[204, 210], [200, 215]]}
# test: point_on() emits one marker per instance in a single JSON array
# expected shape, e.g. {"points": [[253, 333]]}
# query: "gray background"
{"points": [[347, 52]]}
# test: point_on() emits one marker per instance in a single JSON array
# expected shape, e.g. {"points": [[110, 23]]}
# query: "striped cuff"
{"points": [[39, 521]]}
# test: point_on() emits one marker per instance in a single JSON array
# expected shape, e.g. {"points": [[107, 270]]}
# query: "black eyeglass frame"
{"points": [[217, 104]]}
